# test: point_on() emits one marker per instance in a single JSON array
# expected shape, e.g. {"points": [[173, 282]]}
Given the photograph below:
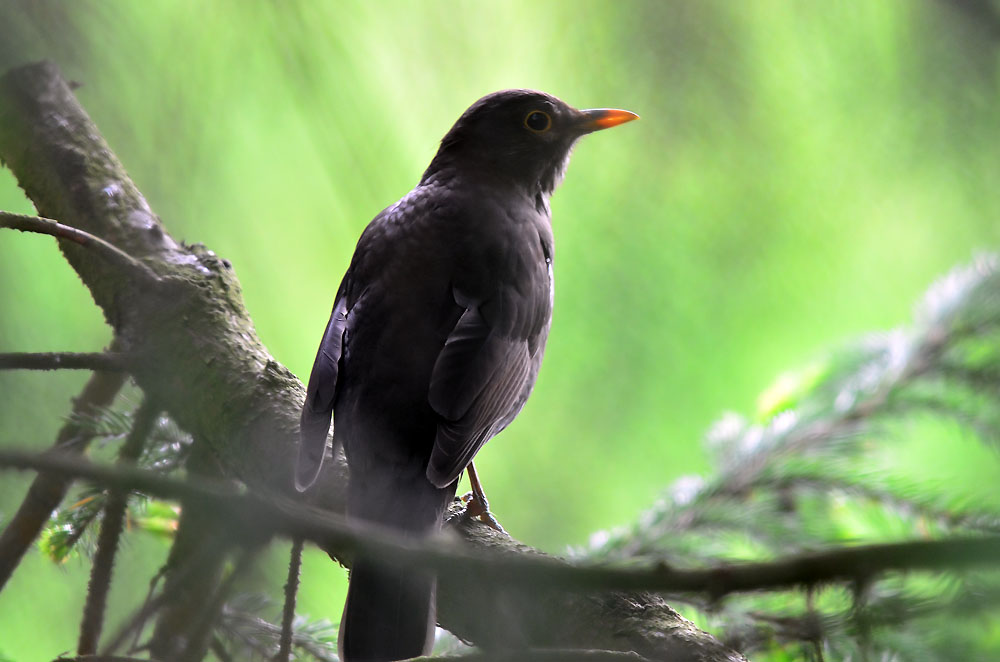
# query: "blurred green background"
{"points": [[801, 173]]}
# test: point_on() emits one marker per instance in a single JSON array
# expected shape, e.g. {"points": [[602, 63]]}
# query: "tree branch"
{"points": [[103, 361], [192, 342], [539, 655], [531, 572], [114, 255]]}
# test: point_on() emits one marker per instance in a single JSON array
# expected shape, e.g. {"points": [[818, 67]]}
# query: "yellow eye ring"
{"points": [[538, 121]]}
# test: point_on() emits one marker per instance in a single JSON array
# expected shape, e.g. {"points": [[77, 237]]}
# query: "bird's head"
{"points": [[522, 137]]}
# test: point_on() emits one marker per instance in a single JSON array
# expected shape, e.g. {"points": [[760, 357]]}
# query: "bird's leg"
{"points": [[476, 504]]}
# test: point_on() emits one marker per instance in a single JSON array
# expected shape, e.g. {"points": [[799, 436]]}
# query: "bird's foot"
{"points": [[477, 507]]}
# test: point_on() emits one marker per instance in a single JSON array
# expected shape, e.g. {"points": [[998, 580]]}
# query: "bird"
{"points": [[434, 343]]}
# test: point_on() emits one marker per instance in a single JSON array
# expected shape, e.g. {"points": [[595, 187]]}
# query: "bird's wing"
{"points": [[477, 387], [314, 425]]}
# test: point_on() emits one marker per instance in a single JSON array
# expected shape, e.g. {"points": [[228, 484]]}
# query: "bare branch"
{"points": [[541, 655], [110, 252], [134, 625], [111, 529], [260, 517], [200, 640], [103, 361], [194, 570], [288, 613]]}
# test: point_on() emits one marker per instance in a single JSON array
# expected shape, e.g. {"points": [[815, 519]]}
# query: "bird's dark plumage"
{"points": [[435, 341]]}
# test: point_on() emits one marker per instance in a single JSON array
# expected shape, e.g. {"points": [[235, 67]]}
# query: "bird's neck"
{"points": [[455, 174]]}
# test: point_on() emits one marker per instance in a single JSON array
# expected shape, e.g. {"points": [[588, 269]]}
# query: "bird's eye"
{"points": [[538, 121]]}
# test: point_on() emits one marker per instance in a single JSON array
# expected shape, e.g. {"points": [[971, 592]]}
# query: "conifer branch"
{"points": [[48, 490]]}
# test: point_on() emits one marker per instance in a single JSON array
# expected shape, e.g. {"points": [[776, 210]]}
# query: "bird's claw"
{"points": [[479, 508]]}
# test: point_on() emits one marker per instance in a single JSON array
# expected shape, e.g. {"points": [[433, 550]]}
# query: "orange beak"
{"points": [[604, 118]]}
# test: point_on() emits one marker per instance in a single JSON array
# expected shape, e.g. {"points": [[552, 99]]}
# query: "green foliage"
{"points": [[73, 527], [68, 526], [814, 475]]}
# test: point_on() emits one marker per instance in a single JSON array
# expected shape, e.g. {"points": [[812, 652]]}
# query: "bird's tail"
{"points": [[390, 609], [389, 613]]}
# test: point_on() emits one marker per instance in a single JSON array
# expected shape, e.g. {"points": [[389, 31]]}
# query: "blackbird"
{"points": [[435, 340]]}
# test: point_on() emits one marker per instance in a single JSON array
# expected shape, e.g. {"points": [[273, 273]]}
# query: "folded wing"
{"points": [[314, 424], [478, 385]]}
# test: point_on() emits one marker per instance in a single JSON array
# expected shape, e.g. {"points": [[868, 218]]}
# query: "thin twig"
{"points": [[288, 613], [101, 658], [256, 634], [110, 252], [111, 529], [201, 528], [141, 614], [200, 639], [259, 517], [48, 490], [137, 621], [542, 655], [220, 651], [103, 361]]}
